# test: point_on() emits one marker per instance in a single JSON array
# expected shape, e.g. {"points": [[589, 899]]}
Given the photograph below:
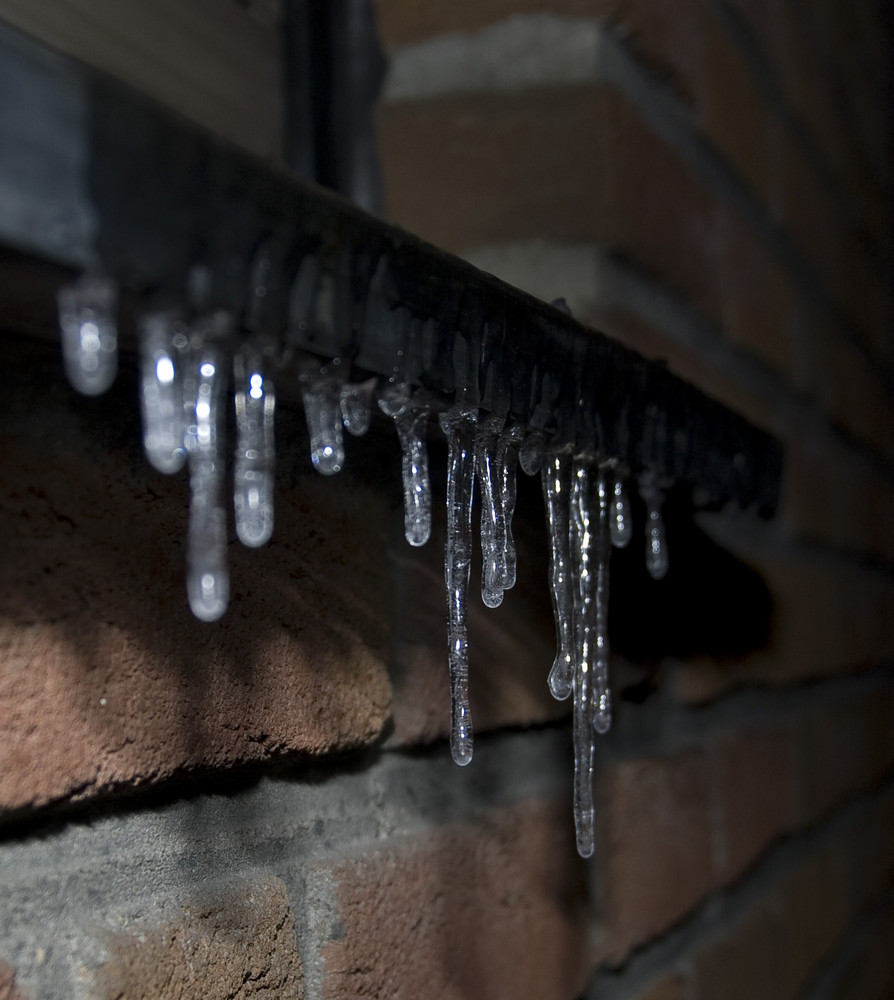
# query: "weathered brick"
{"points": [[741, 960], [492, 907], [867, 858], [757, 783], [655, 845], [237, 944], [8, 988]]}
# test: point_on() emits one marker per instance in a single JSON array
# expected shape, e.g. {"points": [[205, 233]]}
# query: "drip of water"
{"points": [[493, 526], [458, 425], [602, 706], [507, 461], [322, 410], [89, 333], [253, 470], [656, 543], [355, 402], [163, 343], [621, 522], [410, 416], [531, 453], [556, 477], [207, 576]]}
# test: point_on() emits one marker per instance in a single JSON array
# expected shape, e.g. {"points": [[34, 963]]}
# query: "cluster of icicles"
{"points": [[183, 389]]}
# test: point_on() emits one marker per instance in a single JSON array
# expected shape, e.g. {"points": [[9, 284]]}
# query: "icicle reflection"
{"points": [[458, 425], [89, 331], [253, 469], [657, 562], [621, 522], [410, 415]]}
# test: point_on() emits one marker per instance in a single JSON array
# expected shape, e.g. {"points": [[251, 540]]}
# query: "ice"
{"points": [[207, 578], [493, 533], [656, 543], [410, 414], [556, 475], [355, 402], [89, 333], [322, 410], [253, 468], [582, 736], [531, 452], [458, 425], [602, 708], [621, 522], [507, 462], [163, 344]]}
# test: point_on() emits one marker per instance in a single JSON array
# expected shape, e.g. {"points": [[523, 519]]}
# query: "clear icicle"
{"points": [[89, 333], [507, 462], [556, 477], [162, 346], [253, 469], [207, 577], [458, 425], [656, 543], [322, 410], [410, 419], [493, 532], [530, 453], [355, 402], [602, 707], [621, 522]]}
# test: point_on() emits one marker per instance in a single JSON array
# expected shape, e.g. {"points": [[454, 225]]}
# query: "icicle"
{"points": [[89, 333], [162, 346], [458, 425], [253, 470], [507, 461], [410, 417], [530, 453], [355, 402], [556, 493], [322, 410], [207, 578], [621, 522], [602, 707], [656, 543], [493, 534]]}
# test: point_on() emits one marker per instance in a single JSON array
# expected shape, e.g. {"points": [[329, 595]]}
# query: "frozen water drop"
{"points": [[410, 416], [162, 391], [507, 461], [621, 522], [322, 410], [253, 469], [207, 575], [556, 477], [493, 534], [356, 406], [89, 333], [458, 425], [656, 542]]}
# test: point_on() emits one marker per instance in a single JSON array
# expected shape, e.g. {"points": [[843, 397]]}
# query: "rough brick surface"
{"points": [[742, 961], [488, 908], [233, 946]]}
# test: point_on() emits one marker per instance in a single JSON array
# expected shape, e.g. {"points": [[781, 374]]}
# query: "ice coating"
{"points": [[602, 707], [657, 562], [355, 402], [556, 476], [621, 522], [458, 425], [322, 410], [161, 389], [410, 416], [493, 530], [253, 468], [507, 464], [89, 331], [207, 577]]}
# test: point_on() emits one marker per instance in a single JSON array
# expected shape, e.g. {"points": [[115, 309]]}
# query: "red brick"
{"points": [[740, 961], [491, 908], [8, 988], [757, 783], [655, 842]]}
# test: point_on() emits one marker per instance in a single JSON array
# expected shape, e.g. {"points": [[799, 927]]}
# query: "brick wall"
{"points": [[266, 806]]}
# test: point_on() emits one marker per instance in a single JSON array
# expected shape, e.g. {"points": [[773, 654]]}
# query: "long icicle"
{"points": [[410, 414], [556, 476], [507, 467], [253, 469], [458, 425], [493, 531], [602, 706]]}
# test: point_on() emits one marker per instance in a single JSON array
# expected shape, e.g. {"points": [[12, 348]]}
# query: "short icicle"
{"points": [[602, 706], [556, 475], [507, 464], [322, 409], [410, 416], [493, 529], [87, 309], [355, 401], [657, 562], [621, 522], [458, 425], [207, 576], [253, 469], [163, 346]]}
